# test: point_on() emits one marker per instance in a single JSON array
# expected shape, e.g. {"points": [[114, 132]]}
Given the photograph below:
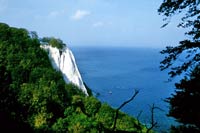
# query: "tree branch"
{"points": [[121, 106], [153, 122]]}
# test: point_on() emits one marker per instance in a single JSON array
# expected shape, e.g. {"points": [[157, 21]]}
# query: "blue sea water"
{"points": [[115, 73]]}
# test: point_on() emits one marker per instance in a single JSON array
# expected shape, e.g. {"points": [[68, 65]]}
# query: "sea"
{"points": [[114, 73]]}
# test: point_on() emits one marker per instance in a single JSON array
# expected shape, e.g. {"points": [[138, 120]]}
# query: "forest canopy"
{"points": [[35, 98]]}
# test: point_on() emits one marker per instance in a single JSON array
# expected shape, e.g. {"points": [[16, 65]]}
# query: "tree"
{"points": [[58, 43], [191, 46], [183, 105]]}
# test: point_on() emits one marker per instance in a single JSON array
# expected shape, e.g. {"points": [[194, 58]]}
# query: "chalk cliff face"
{"points": [[63, 60]]}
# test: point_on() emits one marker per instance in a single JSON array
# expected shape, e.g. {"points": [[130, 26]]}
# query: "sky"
{"points": [[132, 23]]}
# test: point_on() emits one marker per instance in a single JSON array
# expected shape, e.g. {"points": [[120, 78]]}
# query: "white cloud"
{"points": [[98, 24], [80, 14]]}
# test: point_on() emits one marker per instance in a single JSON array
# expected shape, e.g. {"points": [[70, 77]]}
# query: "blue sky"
{"points": [[94, 22]]}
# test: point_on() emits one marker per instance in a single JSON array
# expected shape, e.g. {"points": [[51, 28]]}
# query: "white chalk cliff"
{"points": [[63, 60]]}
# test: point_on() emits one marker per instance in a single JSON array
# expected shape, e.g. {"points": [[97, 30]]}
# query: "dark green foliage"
{"points": [[190, 47], [184, 129], [183, 104], [35, 98], [31, 91], [91, 105], [106, 116], [53, 42]]}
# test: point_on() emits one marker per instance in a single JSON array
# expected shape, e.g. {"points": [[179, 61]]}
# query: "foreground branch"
{"points": [[153, 122], [121, 106]]}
